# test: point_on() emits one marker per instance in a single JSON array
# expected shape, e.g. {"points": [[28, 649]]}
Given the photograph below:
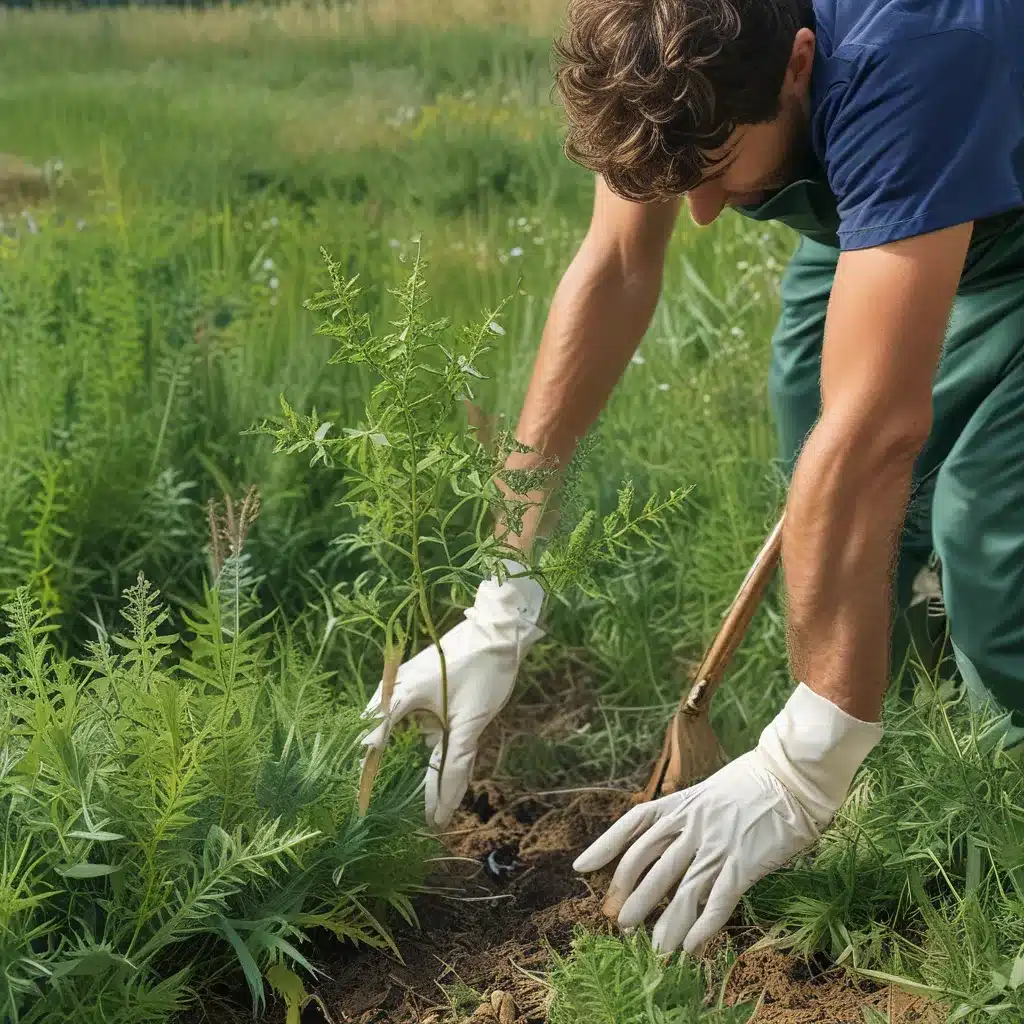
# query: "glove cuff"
{"points": [[522, 596], [516, 603], [814, 749]]}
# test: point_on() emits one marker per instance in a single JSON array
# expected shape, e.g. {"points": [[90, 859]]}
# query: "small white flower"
{"points": [[495, 328], [394, 243], [274, 222], [515, 251], [637, 359], [273, 282], [737, 332], [707, 398], [743, 265], [663, 387], [522, 222], [80, 224], [268, 264]]}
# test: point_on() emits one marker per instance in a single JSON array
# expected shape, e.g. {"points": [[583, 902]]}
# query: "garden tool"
{"points": [[691, 750]]}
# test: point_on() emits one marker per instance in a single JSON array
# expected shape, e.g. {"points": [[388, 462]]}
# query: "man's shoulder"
{"points": [[850, 30], [868, 46]]}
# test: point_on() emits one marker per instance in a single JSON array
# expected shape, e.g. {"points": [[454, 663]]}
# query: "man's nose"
{"points": [[706, 202]]}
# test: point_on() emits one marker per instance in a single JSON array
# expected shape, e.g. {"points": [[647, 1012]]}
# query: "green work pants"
{"points": [[968, 486]]}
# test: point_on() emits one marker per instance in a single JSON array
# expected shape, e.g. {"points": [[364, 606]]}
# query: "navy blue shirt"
{"points": [[917, 113]]}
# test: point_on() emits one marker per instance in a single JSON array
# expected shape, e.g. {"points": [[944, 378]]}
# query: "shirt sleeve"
{"points": [[924, 134]]}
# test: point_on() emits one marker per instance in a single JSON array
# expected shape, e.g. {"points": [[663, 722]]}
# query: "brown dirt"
{"points": [[493, 923], [506, 892], [490, 931], [793, 992]]}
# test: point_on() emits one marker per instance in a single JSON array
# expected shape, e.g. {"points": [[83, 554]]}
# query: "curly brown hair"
{"points": [[649, 86]]}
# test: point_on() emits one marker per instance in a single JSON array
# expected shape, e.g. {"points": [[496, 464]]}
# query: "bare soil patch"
{"points": [[511, 894]]}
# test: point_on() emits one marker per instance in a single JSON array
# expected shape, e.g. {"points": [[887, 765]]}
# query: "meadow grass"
{"points": [[151, 311]]}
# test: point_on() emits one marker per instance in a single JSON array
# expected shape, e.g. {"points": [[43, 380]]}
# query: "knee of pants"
{"points": [[983, 589]]}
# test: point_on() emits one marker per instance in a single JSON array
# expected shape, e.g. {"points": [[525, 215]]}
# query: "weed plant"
{"points": [[434, 503], [176, 805], [610, 980]]}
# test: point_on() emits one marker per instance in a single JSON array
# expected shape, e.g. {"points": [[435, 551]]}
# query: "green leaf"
{"points": [[86, 870], [252, 972], [96, 837], [429, 460], [289, 986], [1017, 973], [90, 963]]}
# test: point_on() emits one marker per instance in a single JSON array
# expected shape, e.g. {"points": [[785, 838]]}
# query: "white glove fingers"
{"points": [[417, 695], [670, 869], [635, 861], [675, 923], [419, 677], [379, 736], [725, 894], [614, 840], [444, 792]]}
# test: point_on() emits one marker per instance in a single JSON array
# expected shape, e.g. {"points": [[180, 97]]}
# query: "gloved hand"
{"points": [[719, 837], [482, 656]]}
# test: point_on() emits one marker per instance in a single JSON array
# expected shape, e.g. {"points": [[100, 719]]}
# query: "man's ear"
{"points": [[801, 63]]}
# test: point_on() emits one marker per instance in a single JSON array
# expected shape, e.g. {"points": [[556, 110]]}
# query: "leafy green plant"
{"points": [[611, 980], [434, 506], [182, 799]]}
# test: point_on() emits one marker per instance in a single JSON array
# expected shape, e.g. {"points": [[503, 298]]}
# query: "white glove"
{"points": [[482, 656], [717, 838]]}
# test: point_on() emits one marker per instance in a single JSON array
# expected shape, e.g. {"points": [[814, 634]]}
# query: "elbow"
{"points": [[877, 441]]}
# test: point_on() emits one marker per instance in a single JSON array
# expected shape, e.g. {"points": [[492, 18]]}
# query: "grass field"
{"points": [[180, 715]]}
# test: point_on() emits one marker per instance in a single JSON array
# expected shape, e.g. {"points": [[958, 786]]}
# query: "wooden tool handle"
{"points": [[734, 625]]}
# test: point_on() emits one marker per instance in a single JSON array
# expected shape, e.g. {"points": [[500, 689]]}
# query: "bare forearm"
{"points": [[597, 318], [845, 511]]}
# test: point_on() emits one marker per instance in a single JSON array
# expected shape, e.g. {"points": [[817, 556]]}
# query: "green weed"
{"points": [[181, 799], [608, 980]]}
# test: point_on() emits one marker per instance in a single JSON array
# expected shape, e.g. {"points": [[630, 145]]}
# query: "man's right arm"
{"points": [[601, 310]]}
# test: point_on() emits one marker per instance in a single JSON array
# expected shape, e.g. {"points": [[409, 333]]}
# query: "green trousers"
{"points": [[967, 501]]}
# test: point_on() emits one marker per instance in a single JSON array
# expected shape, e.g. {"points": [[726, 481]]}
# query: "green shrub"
{"points": [[176, 806]]}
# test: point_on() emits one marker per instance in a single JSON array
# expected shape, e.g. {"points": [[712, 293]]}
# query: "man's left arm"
{"points": [[883, 337]]}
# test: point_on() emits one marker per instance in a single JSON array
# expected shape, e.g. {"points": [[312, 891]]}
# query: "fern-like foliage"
{"points": [[609, 980], [178, 803]]}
